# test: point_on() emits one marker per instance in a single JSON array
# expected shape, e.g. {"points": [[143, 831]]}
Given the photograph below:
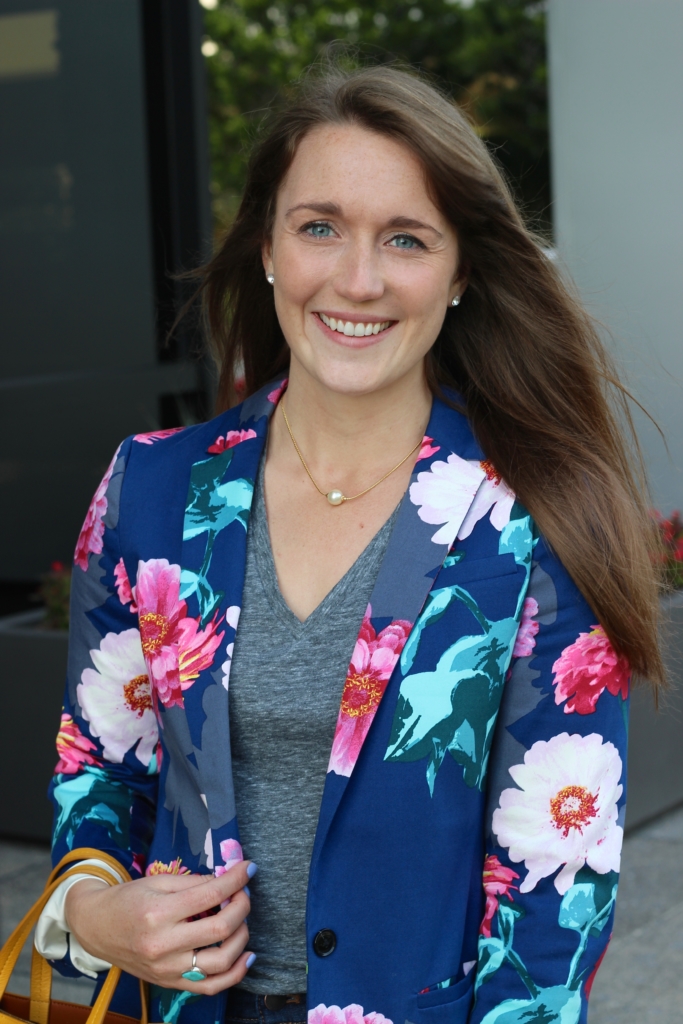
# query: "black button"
{"points": [[325, 942]]}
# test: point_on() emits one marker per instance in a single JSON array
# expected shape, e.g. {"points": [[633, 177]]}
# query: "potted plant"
{"points": [[33, 652]]}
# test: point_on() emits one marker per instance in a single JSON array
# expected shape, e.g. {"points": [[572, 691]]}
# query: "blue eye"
{"points": [[319, 230], [406, 242]]}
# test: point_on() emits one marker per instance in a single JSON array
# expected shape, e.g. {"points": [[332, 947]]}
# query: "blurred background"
{"points": [[124, 126]]}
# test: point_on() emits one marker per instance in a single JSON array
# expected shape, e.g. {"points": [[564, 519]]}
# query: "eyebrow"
{"points": [[334, 210], [326, 209]]}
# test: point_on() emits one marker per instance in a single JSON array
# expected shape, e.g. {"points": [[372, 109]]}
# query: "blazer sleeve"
{"points": [[556, 802], [104, 789]]}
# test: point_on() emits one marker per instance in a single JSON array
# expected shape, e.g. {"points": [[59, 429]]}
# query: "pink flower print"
{"points": [[123, 587], [444, 493], [176, 650], [276, 395], [372, 663], [497, 882], [495, 495], [174, 867], [232, 438], [90, 539], [231, 852], [352, 1014], [586, 668], [73, 747], [528, 628], [427, 449], [156, 435]]}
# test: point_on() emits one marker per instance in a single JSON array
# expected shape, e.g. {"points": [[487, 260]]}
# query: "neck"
{"points": [[333, 428]]}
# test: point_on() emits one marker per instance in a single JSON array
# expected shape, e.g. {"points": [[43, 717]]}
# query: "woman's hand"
{"points": [[143, 926]]}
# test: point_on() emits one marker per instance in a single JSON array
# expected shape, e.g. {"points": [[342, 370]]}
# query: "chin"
{"points": [[353, 380]]}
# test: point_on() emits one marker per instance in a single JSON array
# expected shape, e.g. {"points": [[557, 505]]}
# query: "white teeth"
{"points": [[354, 330]]}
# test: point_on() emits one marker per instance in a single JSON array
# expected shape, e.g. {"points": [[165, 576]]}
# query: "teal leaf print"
{"points": [[452, 559], [492, 955], [454, 707], [212, 505], [585, 908], [578, 907], [171, 1002], [554, 1005], [438, 602], [93, 797]]}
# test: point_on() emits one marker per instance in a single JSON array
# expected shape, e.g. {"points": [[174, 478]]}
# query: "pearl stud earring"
{"points": [[270, 279], [455, 301]]}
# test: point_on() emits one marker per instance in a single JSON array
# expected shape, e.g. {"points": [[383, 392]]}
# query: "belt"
{"points": [[278, 1002]]}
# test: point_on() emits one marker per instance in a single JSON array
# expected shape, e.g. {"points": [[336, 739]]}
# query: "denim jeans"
{"points": [[247, 1008]]}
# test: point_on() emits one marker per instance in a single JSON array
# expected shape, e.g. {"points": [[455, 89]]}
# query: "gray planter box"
{"points": [[655, 742], [34, 668]]}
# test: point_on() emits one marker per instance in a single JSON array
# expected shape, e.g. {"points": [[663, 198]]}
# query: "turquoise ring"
{"points": [[195, 973]]}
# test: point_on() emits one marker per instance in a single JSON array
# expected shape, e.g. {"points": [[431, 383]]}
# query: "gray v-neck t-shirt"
{"points": [[286, 681]]}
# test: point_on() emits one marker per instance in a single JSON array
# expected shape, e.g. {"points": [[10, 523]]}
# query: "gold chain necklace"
{"points": [[335, 496]]}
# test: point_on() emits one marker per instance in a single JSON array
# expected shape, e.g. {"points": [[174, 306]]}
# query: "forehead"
{"points": [[358, 170]]}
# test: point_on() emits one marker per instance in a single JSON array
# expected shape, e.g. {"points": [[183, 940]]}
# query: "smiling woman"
{"points": [[340, 627]]}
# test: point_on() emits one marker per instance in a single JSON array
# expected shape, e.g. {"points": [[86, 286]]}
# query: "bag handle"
{"points": [[41, 971]]}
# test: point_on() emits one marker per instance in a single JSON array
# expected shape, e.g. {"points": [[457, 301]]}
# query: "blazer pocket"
{"points": [[455, 999], [480, 569]]}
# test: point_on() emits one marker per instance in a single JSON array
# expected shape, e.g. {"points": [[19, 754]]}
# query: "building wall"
{"points": [[80, 361], [616, 87]]}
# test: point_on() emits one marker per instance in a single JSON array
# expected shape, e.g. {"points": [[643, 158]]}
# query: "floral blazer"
{"points": [[467, 853]]}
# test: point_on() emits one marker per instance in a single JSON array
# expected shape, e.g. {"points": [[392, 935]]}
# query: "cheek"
{"points": [[300, 269], [423, 291]]}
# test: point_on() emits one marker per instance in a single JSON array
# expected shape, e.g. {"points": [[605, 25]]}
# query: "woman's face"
{"points": [[365, 265]]}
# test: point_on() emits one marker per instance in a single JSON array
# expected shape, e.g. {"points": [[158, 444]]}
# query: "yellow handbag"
{"points": [[39, 1008]]}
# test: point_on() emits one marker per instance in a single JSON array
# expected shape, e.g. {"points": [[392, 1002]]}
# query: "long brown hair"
{"points": [[539, 389]]}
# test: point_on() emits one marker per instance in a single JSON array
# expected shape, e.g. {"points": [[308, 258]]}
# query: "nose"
{"points": [[358, 273]]}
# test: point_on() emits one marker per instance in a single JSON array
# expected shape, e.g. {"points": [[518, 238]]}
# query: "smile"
{"points": [[354, 330]]}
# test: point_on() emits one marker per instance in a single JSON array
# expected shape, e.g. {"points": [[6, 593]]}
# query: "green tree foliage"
{"points": [[489, 54]]}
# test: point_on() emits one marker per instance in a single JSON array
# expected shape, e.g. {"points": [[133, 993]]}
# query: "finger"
{"points": [[175, 883], [218, 982], [199, 898], [218, 959], [214, 928]]}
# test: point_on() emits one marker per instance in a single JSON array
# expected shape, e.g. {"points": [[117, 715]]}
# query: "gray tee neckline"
{"points": [[286, 681]]}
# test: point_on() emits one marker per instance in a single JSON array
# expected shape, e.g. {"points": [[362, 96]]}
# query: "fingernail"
{"points": [[250, 960], [252, 869], [246, 889]]}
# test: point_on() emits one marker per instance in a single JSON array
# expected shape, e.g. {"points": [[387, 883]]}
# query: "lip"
{"points": [[352, 341]]}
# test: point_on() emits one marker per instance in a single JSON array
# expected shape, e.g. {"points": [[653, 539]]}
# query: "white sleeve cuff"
{"points": [[52, 929]]}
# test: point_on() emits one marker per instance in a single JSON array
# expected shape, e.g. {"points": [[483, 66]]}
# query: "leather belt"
{"points": [[278, 1002]]}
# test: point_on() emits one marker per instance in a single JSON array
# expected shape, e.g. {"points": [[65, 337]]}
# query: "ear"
{"points": [[461, 280], [267, 256]]}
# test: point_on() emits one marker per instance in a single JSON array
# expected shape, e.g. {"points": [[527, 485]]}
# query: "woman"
{"points": [[412, 362]]}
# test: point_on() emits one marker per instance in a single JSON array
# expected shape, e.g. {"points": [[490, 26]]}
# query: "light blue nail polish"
{"points": [[246, 889], [250, 960], [251, 870]]}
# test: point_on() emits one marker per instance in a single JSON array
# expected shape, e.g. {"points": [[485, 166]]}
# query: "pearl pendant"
{"points": [[335, 497]]}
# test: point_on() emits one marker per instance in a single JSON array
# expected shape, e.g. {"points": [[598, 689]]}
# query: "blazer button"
{"points": [[325, 942]]}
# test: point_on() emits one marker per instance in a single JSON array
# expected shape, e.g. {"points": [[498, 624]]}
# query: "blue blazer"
{"points": [[467, 853]]}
